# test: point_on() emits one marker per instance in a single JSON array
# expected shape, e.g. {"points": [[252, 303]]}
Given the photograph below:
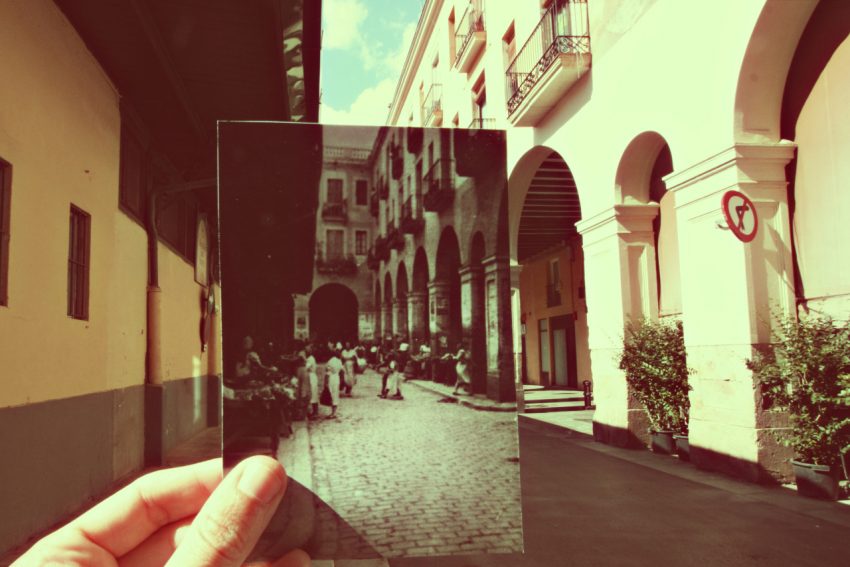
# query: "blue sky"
{"points": [[364, 44]]}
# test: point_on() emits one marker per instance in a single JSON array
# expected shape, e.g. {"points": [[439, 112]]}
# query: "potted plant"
{"points": [[656, 369], [806, 373]]}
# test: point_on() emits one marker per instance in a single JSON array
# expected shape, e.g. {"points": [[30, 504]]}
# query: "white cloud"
{"points": [[370, 108], [342, 23]]}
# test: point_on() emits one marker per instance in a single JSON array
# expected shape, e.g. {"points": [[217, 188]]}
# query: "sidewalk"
{"points": [[475, 402]]}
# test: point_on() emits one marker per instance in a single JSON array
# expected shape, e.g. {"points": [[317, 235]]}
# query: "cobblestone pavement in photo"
{"points": [[415, 477]]}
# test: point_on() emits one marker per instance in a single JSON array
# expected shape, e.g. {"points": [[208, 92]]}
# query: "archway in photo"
{"points": [[548, 247], [387, 327], [401, 300], [334, 313], [420, 330], [478, 335], [378, 301], [446, 292]]}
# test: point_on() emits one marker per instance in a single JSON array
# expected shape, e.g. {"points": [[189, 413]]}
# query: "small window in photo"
{"points": [[78, 264], [362, 192]]}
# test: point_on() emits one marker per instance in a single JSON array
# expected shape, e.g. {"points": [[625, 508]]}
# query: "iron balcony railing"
{"points": [[342, 265], [432, 103], [482, 124], [439, 185], [562, 29], [411, 215], [472, 21], [335, 211]]}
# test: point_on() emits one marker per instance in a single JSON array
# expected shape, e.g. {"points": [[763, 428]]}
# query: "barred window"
{"points": [[360, 243], [79, 244]]}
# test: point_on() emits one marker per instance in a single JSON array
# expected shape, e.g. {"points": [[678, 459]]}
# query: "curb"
{"points": [[551, 428], [462, 400]]}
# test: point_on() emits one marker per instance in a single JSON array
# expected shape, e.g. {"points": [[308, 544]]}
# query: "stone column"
{"points": [[501, 382], [731, 292], [400, 315], [516, 331], [417, 314], [387, 329], [619, 266], [472, 324]]}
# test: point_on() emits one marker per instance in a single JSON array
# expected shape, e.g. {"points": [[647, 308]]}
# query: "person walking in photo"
{"points": [[333, 371], [313, 378], [349, 361], [463, 380]]}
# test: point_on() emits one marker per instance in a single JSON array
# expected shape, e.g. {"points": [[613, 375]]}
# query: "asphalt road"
{"points": [[588, 504]]}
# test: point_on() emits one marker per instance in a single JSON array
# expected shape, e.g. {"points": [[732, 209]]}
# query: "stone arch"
{"points": [[401, 298], [632, 180], [378, 303], [446, 295], [418, 300], [764, 70], [387, 307]]}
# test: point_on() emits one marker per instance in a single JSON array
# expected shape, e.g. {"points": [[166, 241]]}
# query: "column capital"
{"points": [[620, 219], [752, 167], [496, 262], [469, 272], [416, 295], [438, 285]]}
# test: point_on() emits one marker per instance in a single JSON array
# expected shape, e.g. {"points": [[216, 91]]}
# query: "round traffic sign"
{"points": [[740, 214]]}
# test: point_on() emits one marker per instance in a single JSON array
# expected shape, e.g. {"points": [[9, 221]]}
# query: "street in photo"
{"points": [[367, 335]]}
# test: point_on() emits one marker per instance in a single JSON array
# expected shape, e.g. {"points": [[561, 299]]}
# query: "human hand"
{"points": [[187, 516]]}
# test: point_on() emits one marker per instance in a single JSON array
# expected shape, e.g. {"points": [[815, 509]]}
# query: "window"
{"points": [[509, 45], [132, 192], [5, 206], [479, 101], [78, 264], [362, 192], [335, 245], [176, 222], [418, 178], [334, 190], [555, 274], [360, 242], [451, 28]]}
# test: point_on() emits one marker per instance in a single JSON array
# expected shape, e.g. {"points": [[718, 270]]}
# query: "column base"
{"points": [[634, 436], [501, 388], [154, 425]]}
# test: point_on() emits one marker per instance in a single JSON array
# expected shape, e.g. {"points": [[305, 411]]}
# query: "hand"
{"points": [[187, 516]]}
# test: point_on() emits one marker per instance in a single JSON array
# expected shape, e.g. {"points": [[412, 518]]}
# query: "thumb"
{"points": [[231, 521]]}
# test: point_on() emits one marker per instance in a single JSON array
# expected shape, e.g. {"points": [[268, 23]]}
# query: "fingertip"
{"points": [[261, 478], [295, 558]]}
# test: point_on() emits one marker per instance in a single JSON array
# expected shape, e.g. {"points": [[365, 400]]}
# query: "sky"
{"points": [[364, 44]]}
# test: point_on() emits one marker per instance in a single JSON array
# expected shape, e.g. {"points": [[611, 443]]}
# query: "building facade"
{"points": [[626, 122], [109, 333]]}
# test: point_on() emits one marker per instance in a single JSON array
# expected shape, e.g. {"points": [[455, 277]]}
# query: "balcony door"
{"points": [[335, 191], [335, 244]]}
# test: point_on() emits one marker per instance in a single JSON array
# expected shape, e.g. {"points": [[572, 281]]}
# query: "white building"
{"points": [[628, 120]]}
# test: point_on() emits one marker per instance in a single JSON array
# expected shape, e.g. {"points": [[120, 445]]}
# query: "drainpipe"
{"points": [[153, 358]]}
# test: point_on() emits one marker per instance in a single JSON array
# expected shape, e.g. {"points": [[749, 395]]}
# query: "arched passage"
{"points": [[418, 298], [401, 300], [476, 337], [640, 181], [445, 290], [378, 318], [387, 310], [333, 313], [548, 249]]}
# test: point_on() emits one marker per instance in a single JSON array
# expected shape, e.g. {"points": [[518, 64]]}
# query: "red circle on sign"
{"points": [[736, 220]]}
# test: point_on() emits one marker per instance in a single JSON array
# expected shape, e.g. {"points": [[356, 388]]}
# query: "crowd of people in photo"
{"points": [[310, 375]]}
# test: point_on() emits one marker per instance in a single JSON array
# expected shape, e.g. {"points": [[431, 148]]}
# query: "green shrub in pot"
{"points": [[806, 372], [655, 363]]}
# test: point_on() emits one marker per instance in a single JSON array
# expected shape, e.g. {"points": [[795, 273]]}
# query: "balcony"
{"points": [[553, 295], [482, 124], [439, 186], [470, 37], [395, 237], [381, 249], [374, 203], [396, 164], [335, 212], [411, 216], [432, 106], [336, 265], [372, 261], [383, 189], [553, 58]]}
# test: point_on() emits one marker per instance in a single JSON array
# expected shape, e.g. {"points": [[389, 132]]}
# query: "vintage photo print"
{"points": [[367, 335]]}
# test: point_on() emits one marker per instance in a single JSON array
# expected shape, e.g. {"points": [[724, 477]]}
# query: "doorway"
{"points": [[565, 374]]}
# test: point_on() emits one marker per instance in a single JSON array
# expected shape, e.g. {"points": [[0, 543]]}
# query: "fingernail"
{"points": [[261, 481]]}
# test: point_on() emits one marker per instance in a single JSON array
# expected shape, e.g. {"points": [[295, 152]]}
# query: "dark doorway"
{"points": [[333, 313], [564, 371]]}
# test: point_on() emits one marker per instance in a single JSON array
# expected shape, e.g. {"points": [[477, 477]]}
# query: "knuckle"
{"points": [[223, 536]]}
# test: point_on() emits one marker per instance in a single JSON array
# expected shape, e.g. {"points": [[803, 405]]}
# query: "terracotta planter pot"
{"points": [[817, 481], [662, 442]]}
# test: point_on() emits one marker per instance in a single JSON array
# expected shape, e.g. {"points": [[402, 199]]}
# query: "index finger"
{"points": [[134, 513]]}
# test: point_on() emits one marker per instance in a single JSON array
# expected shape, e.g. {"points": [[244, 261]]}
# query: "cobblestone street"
{"points": [[415, 477]]}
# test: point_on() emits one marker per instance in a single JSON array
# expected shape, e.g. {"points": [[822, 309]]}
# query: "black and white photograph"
{"points": [[366, 324]]}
